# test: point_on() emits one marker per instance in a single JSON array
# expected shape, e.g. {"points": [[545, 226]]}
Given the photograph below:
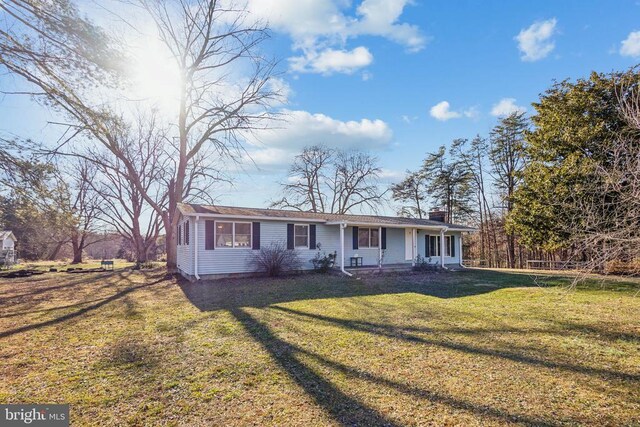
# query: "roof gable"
{"points": [[8, 234]]}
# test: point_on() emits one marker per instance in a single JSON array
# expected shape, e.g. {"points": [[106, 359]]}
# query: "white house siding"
{"points": [[235, 260], [422, 235], [185, 253], [220, 261], [8, 244], [394, 254]]}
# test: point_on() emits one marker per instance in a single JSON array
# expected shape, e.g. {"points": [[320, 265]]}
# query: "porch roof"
{"points": [[190, 209]]}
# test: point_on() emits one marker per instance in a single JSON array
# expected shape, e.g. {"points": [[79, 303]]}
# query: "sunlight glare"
{"points": [[156, 76]]}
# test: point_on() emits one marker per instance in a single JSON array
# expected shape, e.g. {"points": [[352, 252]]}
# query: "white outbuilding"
{"points": [[7, 247]]}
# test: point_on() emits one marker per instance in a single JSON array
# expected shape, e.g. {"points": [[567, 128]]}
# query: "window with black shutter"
{"points": [[255, 244]]}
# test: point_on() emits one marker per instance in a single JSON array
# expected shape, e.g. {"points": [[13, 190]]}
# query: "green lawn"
{"points": [[460, 348]]}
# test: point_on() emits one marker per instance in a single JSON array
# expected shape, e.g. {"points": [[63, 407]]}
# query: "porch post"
{"points": [[442, 248], [195, 247], [341, 247], [414, 245], [380, 247]]}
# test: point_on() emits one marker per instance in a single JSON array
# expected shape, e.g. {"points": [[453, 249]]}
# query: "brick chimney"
{"points": [[438, 215]]}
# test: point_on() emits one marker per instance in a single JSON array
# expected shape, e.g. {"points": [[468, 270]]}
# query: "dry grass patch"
{"points": [[464, 348]]}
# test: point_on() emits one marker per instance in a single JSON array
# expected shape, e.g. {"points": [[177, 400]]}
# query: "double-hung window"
{"points": [[301, 236], [233, 234], [434, 246], [450, 249], [368, 237]]}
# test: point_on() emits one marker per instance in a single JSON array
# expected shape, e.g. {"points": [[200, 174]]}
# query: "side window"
{"points": [[242, 235], [224, 234], [301, 236], [233, 234]]}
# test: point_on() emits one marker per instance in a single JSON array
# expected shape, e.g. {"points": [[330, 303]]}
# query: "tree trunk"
{"points": [[77, 246]]}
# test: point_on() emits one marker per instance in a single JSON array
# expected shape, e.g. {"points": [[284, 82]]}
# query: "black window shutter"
{"points": [[186, 233], [383, 238], [427, 251], [255, 244], [290, 236], [179, 234], [453, 245], [209, 235], [355, 237], [312, 236]]}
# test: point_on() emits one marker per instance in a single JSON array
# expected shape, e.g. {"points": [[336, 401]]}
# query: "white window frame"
{"points": [[233, 235], [447, 246], [308, 236], [369, 242], [438, 248]]}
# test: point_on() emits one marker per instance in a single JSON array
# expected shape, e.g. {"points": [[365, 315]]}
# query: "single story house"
{"points": [[219, 241]]}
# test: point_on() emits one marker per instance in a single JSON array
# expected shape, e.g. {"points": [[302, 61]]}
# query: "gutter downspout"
{"points": [[460, 251], [342, 227], [380, 248], [195, 247], [442, 247]]}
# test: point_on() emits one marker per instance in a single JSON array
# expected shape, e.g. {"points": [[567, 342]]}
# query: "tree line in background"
{"points": [[561, 184]]}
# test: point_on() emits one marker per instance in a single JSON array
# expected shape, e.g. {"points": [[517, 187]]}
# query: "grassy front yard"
{"points": [[463, 348]]}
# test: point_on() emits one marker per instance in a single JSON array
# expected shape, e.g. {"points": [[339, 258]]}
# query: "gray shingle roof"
{"points": [[193, 209]]}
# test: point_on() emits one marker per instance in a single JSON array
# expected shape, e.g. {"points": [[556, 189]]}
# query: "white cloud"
{"points": [[442, 111], [277, 146], [506, 106], [472, 113], [631, 45], [535, 42], [331, 61], [390, 176], [318, 26]]}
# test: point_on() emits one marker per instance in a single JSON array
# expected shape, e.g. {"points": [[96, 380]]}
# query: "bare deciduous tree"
{"points": [[123, 206], [322, 179], [209, 42], [217, 107], [84, 208]]}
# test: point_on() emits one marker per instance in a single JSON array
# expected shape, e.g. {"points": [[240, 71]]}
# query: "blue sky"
{"points": [[376, 75]]}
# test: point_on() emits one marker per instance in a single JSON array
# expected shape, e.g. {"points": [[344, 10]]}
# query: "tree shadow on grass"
{"points": [[263, 292], [394, 332], [82, 311], [234, 295], [343, 408]]}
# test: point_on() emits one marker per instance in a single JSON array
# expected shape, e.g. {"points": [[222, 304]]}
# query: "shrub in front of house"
{"points": [[424, 264], [276, 259], [323, 262]]}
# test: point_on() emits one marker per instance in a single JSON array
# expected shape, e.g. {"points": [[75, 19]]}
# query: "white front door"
{"points": [[408, 244]]}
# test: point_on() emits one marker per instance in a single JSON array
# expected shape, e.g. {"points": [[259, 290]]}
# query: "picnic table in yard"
{"points": [[107, 264]]}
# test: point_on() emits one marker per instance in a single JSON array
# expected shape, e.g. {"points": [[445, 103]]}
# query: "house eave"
{"points": [[255, 217]]}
